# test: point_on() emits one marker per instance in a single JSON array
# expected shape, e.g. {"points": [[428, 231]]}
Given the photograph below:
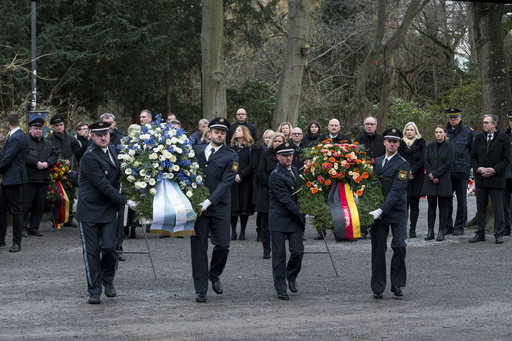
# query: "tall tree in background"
{"points": [[300, 17], [213, 78], [488, 34]]}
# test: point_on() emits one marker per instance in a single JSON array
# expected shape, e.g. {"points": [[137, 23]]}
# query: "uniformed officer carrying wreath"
{"points": [[393, 171], [285, 222], [219, 164], [98, 202]]}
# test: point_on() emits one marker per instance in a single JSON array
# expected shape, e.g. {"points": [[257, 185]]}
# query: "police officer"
{"points": [[219, 164], [98, 202], [461, 138], [393, 171], [41, 157], [285, 222]]}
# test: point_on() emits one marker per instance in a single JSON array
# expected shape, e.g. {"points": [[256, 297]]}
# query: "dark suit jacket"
{"points": [[219, 171], [98, 194], [337, 139], [283, 212], [393, 178], [12, 159], [438, 161], [497, 157]]}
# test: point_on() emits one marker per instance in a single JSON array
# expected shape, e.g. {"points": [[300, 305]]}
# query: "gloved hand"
{"points": [[131, 203], [205, 204], [376, 214]]}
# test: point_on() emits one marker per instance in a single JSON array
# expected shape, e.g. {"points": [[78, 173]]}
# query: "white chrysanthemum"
{"points": [[168, 142], [161, 157], [167, 154], [199, 178], [131, 152], [153, 156], [170, 176], [152, 191], [127, 171], [143, 184], [152, 182], [175, 168], [142, 172], [189, 194], [194, 186], [156, 150], [136, 163], [165, 175], [156, 164], [137, 185], [160, 168], [174, 140], [173, 158], [191, 154], [178, 150], [131, 178]]}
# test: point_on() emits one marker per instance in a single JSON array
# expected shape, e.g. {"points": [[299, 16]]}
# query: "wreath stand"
{"points": [[324, 252]]}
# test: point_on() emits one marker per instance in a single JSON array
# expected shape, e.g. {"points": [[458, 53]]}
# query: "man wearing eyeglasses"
{"points": [[241, 119], [372, 141], [461, 138]]}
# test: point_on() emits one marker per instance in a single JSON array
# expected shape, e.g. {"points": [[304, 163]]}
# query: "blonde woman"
{"points": [[286, 129]]}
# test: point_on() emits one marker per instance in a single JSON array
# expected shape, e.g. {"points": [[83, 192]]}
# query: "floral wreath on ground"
{"points": [[59, 172], [328, 163], [156, 152]]}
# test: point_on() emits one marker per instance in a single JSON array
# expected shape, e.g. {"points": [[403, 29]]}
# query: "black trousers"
{"points": [[99, 246], [433, 202], [281, 270], [413, 203], [220, 236], [10, 200], [265, 234], [398, 273], [460, 187], [482, 199], [33, 200]]}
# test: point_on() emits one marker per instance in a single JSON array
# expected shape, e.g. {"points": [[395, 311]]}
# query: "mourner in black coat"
{"points": [[285, 222], [393, 171], [99, 201], [220, 165], [412, 148], [334, 134], [490, 158], [14, 176], [437, 186], [313, 134]]}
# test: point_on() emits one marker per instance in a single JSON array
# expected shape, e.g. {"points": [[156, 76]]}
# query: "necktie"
{"points": [[291, 172], [385, 161], [212, 151], [489, 139], [110, 156]]}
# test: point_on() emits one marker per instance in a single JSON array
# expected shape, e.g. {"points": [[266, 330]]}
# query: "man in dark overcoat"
{"points": [[490, 157], [41, 157], [98, 202], [14, 176], [220, 165], [393, 171], [285, 222]]}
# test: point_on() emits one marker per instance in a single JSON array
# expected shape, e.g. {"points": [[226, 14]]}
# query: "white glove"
{"points": [[376, 214], [205, 204], [131, 203]]}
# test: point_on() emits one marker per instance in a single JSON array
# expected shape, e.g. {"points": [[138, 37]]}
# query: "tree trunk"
{"points": [[490, 50], [213, 79], [300, 17]]}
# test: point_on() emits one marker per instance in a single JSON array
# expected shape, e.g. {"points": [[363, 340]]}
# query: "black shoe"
{"points": [[201, 297], [282, 295], [242, 236], [70, 224], [499, 240], [34, 232], [110, 290], [216, 285], [164, 236], [448, 231], [15, 248], [121, 257], [440, 236], [477, 238], [292, 285], [397, 291], [94, 299], [266, 255], [233, 236], [134, 236], [412, 233], [377, 295], [430, 235], [24, 232], [457, 232]]}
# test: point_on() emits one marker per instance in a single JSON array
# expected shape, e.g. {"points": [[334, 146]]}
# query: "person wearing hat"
{"points": [[461, 138], [98, 202], [490, 158], [41, 157], [393, 171], [67, 146], [285, 222], [14, 176], [508, 184], [220, 165]]}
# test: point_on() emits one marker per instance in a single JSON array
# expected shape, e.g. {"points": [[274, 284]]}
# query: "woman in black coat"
{"points": [[255, 160], [438, 182], [412, 147], [241, 190], [313, 133], [267, 164]]}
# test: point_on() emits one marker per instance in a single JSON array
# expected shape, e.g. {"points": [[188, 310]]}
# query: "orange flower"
{"points": [[308, 183], [332, 160], [334, 175], [359, 192], [365, 175], [314, 190], [356, 143], [327, 182], [357, 180]]}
